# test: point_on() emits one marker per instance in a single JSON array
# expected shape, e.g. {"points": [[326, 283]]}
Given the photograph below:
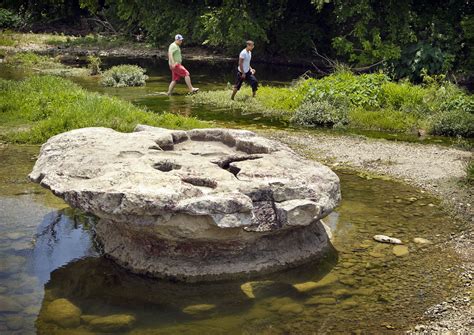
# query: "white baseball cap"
{"points": [[178, 37]]}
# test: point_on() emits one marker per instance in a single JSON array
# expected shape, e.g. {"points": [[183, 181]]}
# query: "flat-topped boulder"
{"points": [[202, 204]]}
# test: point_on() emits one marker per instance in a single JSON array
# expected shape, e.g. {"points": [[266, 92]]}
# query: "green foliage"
{"points": [[31, 59], [229, 27], [423, 58], [124, 75], [385, 119], [368, 101], [93, 63], [44, 64], [364, 90], [322, 113], [403, 96], [453, 123], [45, 105], [9, 19]]}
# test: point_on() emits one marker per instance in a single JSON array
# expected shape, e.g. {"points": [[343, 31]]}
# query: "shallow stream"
{"points": [[47, 252]]}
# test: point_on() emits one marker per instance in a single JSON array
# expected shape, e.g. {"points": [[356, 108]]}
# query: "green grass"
{"points": [[44, 64], [368, 102], [16, 39], [33, 110]]}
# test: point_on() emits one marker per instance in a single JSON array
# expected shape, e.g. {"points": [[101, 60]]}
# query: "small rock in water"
{"points": [[292, 308], [113, 323], [87, 318], [400, 250], [63, 313], [311, 285], [198, 309], [264, 288], [421, 240], [387, 239], [320, 301]]}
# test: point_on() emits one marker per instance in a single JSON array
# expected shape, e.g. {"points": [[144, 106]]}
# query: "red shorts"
{"points": [[178, 72]]}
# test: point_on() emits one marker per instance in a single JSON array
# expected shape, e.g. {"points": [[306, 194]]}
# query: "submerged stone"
{"points": [[329, 279], [63, 313], [421, 240], [265, 288], [203, 204], [113, 323], [400, 250], [198, 309], [292, 308], [320, 301]]}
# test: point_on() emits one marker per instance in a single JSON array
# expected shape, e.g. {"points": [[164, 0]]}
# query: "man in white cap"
{"points": [[177, 70]]}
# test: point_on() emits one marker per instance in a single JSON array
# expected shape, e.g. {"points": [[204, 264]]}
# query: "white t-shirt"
{"points": [[246, 56]]}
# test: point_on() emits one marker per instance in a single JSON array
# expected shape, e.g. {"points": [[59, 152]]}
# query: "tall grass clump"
{"points": [[33, 110], [123, 76]]}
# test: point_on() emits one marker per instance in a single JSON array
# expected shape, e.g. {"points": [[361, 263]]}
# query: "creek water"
{"points": [[47, 252]]}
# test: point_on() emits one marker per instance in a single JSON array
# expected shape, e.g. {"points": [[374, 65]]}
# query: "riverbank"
{"points": [[95, 45], [438, 170], [370, 102]]}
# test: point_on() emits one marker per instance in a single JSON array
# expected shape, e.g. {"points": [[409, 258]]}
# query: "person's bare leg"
{"points": [[171, 88], [191, 89], [234, 92]]}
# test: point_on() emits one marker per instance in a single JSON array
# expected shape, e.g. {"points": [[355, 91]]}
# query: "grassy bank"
{"points": [[30, 61], [368, 101], [39, 107]]}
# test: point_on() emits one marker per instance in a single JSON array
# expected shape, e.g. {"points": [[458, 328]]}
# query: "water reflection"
{"points": [[29, 252], [63, 236]]}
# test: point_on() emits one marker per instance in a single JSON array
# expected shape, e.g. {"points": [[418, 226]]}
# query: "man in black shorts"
{"points": [[245, 71]]}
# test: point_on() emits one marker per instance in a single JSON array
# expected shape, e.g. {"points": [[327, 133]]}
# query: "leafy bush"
{"points": [[329, 112], [9, 19], [362, 90], [453, 123], [94, 64], [43, 106], [384, 119], [124, 75], [404, 97]]}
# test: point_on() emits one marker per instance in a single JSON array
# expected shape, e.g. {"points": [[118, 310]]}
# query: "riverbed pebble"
{"points": [[387, 239]]}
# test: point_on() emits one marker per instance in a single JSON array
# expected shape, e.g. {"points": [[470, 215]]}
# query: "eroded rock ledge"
{"points": [[202, 204]]}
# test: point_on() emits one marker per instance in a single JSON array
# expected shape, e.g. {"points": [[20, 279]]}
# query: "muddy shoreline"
{"points": [[432, 168]]}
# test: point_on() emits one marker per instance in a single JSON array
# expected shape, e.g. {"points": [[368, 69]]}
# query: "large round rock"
{"points": [[203, 204]]}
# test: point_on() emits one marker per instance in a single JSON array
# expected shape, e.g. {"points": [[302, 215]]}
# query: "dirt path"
{"points": [[436, 169]]}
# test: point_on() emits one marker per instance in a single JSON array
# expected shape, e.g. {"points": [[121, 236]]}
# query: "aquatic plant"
{"points": [[124, 75]]}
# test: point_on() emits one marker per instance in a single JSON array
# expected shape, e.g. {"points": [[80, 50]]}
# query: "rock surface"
{"points": [[194, 205]]}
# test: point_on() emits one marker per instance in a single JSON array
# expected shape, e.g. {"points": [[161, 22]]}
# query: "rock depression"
{"points": [[204, 204]]}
